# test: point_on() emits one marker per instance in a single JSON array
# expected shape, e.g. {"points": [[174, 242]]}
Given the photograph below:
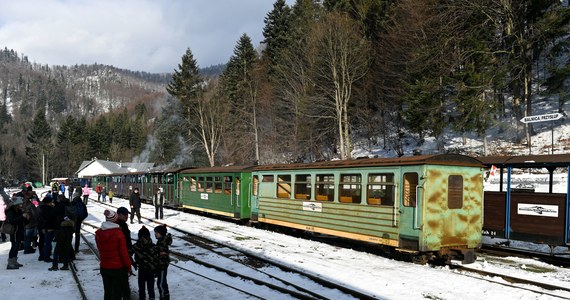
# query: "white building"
{"points": [[90, 168]]}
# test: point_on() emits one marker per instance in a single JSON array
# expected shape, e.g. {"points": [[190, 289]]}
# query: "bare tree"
{"points": [[209, 112], [342, 59]]}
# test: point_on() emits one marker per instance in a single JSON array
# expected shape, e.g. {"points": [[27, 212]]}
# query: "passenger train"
{"points": [[429, 207]]}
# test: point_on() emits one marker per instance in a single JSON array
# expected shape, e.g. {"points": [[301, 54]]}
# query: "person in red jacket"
{"points": [[115, 260], [99, 190]]}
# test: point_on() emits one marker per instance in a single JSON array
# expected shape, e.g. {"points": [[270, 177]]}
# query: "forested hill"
{"points": [[80, 89], [45, 107], [94, 110]]}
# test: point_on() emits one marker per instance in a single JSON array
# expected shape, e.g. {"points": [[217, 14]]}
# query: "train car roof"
{"points": [[436, 159], [527, 161], [226, 169]]}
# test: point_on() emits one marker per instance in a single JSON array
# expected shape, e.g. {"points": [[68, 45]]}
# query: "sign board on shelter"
{"points": [[541, 118]]}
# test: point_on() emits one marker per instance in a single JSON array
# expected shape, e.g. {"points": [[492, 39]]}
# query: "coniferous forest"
{"points": [[329, 77]]}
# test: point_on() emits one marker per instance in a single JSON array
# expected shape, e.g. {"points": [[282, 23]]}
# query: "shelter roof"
{"points": [[527, 161]]}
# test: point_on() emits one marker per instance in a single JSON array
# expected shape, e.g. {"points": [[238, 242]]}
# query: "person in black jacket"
{"points": [[163, 242], [135, 202], [122, 217], [78, 218], [146, 257], [15, 216], [48, 223]]}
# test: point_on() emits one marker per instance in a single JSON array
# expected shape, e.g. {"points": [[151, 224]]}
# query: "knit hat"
{"points": [[47, 199], [122, 210], [110, 216], [161, 229], [144, 232]]}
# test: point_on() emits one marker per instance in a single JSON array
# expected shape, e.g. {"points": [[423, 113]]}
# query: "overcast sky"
{"points": [[140, 35]]}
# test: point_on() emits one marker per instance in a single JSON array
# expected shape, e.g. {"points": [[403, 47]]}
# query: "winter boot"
{"points": [[17, 263], [54, 267], [65, 267], [11, 265]]}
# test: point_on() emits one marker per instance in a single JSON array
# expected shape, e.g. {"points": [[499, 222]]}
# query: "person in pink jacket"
{"points": [[3, 198], [86, 191]]}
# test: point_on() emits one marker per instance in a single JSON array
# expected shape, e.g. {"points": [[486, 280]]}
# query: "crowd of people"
{"points": [[32, 225]]}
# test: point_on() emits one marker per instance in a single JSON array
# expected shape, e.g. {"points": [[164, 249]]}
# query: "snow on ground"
{"points": [[382, 277]]}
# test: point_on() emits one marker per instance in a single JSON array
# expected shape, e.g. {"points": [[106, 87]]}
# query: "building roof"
{"points": [[116, 167], [527, 161]]}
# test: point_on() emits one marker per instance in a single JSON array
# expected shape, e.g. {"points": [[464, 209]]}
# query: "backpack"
{"points": [[80, 210]]}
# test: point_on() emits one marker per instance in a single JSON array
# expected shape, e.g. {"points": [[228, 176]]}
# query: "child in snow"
{"points": [[163, 241], [146, 258]]}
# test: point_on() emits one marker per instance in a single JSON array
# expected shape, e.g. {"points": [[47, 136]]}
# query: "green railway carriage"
{"points": [[428, 206], [165, 180], [219, 190]]}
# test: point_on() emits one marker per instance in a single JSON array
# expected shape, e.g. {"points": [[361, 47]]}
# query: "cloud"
{"points": [[143, 35]]}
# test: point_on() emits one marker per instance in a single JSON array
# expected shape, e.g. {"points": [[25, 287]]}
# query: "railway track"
{"points": [[562, 260], [234, 279], [249, 261], [552, 290]]}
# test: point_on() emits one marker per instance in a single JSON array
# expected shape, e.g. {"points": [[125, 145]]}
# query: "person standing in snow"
{"points": [[86, 191], [3, 200], [104, 194], [135, 202], [14, 216], [158, 201], [111, 194], [63, 237], [163, 242], [30, 214], [115, 262], [48, 220], [147, 260], [98, 190], [80, 215]]}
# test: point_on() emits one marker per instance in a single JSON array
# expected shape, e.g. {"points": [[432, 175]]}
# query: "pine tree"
{"points": [[276, 33], [240, 88], [40, 145], [186, 83]]}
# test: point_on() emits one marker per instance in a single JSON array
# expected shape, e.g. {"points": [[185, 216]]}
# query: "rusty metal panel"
{"points": [[538, 217], [445, 227]]}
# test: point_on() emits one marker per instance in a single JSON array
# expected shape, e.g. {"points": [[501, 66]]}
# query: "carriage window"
{"points": [[209, 185], [284, 186], [267, 178], [193, 184], [410, 184], [350, 188], [200, 184], [455, 191], [324, 187], [227, 185], [380, 189], [255, 185], [303, 187], [218, 184]]}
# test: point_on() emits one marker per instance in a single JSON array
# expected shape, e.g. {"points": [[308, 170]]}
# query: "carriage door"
{"points": [[410, 206], [235, 197]]}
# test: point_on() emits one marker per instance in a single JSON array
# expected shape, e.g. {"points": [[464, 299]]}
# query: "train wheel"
{"points": [[420, 259]]}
